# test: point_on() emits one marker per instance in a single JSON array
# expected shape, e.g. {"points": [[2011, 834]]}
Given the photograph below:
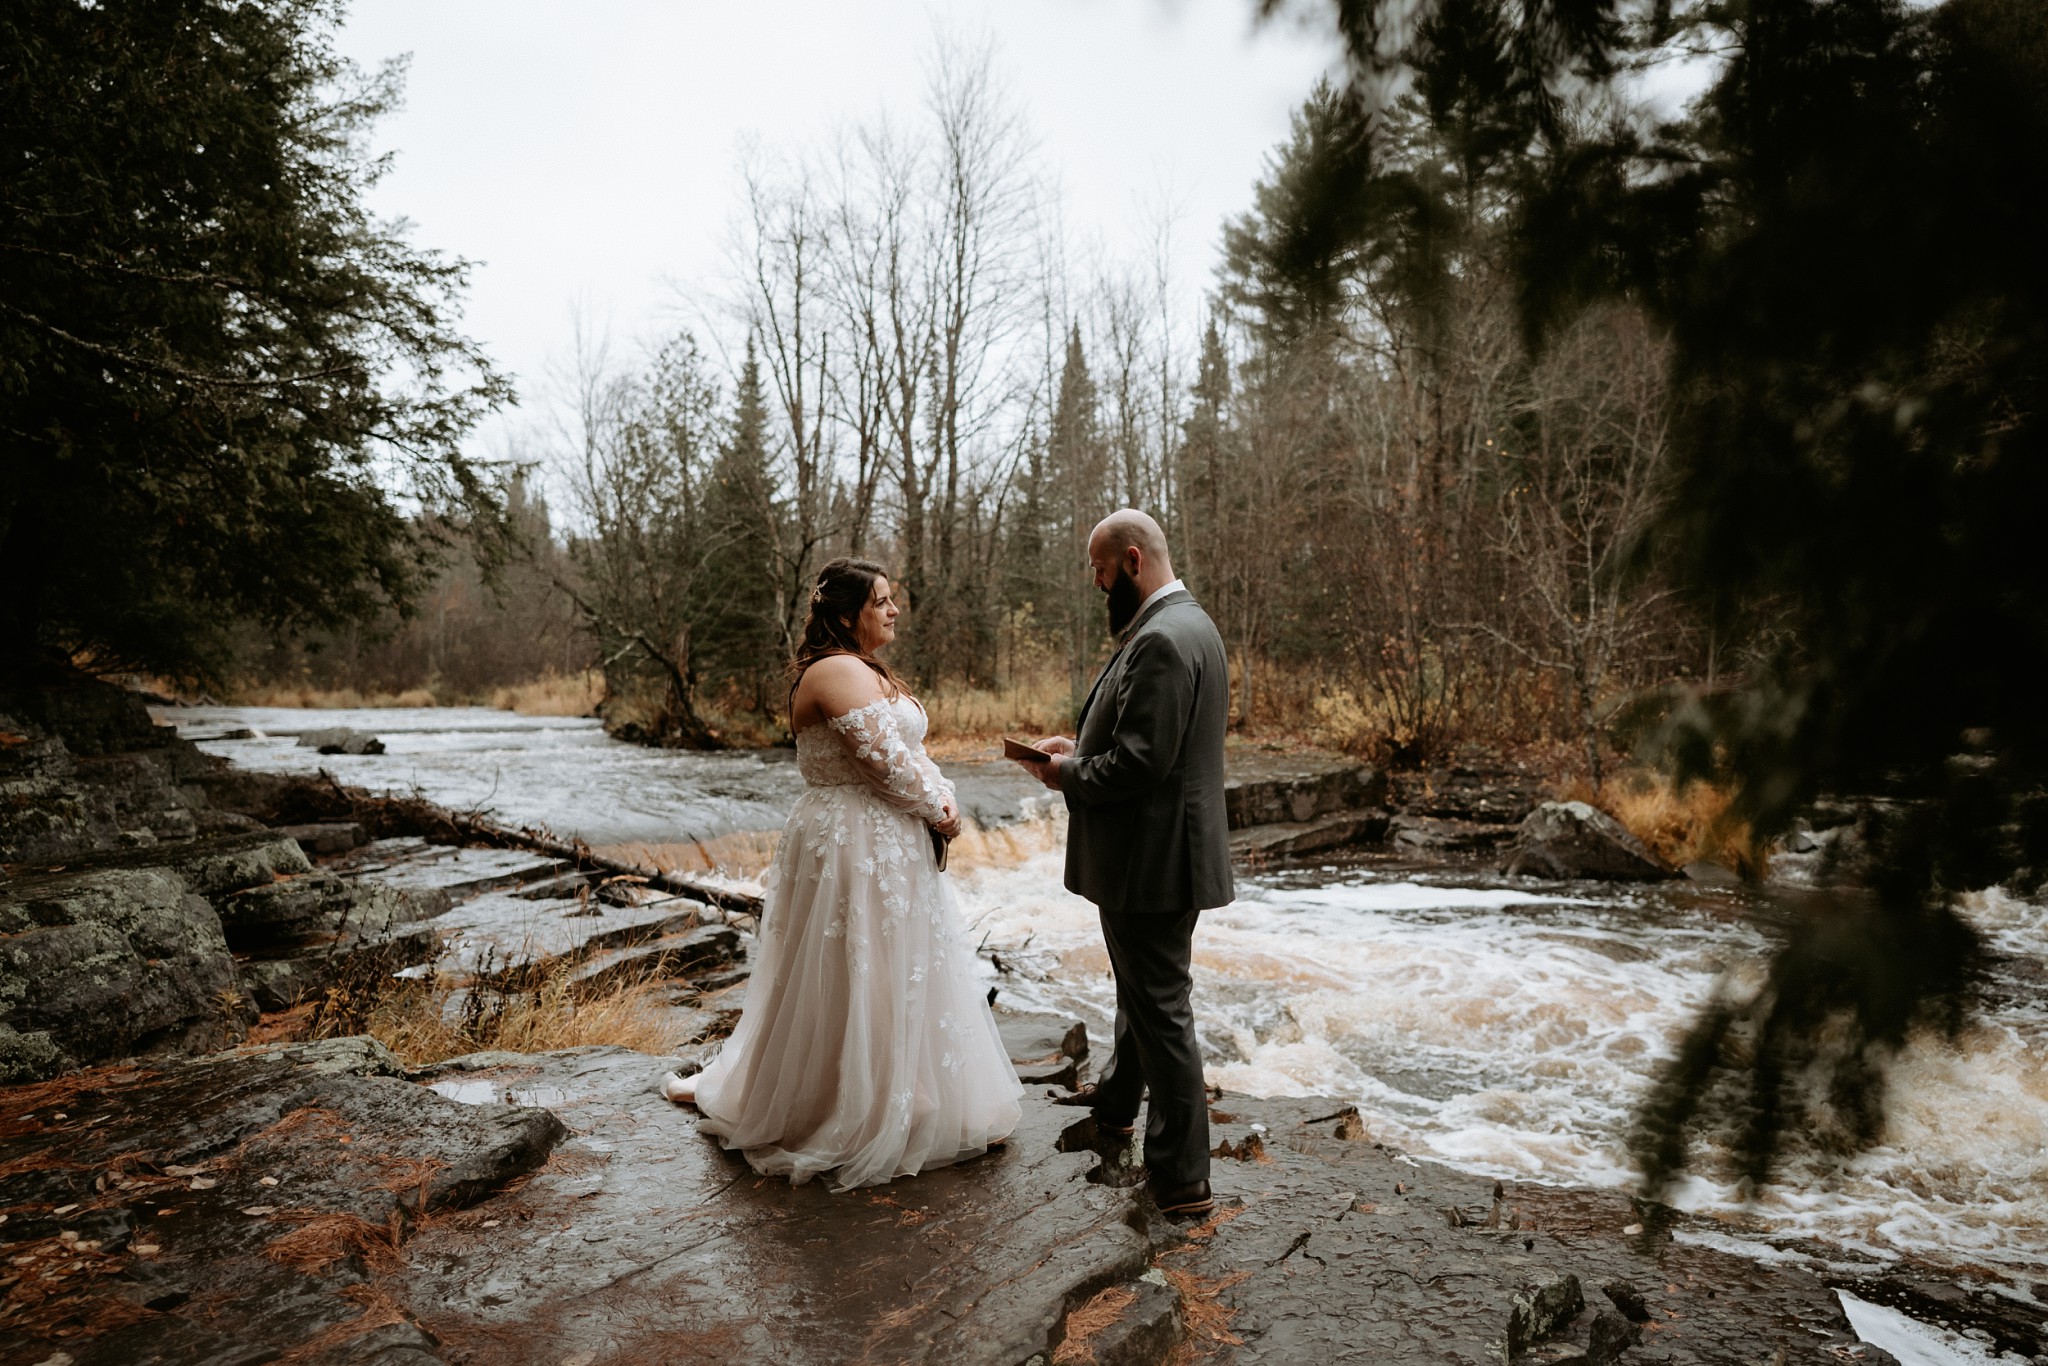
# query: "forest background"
{"points": [[1415, 533]]}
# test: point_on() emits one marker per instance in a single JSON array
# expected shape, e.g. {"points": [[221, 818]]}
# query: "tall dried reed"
{"points": [[429, 1020], [552, 694], [324, 699], [1680, 825], [1037, 702]]}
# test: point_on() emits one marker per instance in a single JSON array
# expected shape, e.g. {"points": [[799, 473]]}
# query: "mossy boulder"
{"points": [[108, 962]]}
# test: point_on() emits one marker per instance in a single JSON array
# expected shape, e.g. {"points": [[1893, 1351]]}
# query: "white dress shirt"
{"points": [[1157, 594]]}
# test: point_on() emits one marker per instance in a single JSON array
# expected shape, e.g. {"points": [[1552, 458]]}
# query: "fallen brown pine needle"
{"points": [[379, 1311], [1202, 1310], [1083, 1324], [323, 1239]]}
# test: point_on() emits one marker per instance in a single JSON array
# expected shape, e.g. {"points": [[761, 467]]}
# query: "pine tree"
{"points": [[1076, 470], [1204, 469], [742, 635], [215, 358]]}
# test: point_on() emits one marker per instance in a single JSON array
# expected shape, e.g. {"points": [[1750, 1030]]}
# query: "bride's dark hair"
{"points": [[838, 594]]}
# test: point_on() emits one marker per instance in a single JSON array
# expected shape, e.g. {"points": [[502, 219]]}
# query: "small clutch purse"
{"points": [[939, 843]]}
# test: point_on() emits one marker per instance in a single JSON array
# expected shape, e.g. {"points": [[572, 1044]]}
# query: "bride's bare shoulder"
{"points": [[837, 684]]}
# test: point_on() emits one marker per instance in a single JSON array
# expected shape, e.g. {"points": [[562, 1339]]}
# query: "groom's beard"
{"points": [[1124, 601]]}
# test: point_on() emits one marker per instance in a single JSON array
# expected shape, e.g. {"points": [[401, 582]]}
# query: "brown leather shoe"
{"points": [[1087, 1097], [1193, 1198]]}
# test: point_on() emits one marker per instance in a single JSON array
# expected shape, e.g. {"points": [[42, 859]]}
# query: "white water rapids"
{"points": [[1506, 1028]]}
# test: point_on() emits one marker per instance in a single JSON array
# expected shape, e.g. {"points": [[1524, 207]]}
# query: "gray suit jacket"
{"points": [[1147, 832]]}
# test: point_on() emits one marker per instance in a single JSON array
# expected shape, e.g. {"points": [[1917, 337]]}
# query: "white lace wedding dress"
{"points": [[865, 1048]]}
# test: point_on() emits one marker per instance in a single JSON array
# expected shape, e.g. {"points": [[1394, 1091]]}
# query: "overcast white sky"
{"points": [[588, 150]]}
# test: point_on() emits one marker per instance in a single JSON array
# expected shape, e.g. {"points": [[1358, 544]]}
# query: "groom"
{"points": [[1148, 841]]}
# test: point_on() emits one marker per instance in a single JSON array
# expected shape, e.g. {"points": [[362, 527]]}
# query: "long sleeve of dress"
{"points": [[898, 771]]}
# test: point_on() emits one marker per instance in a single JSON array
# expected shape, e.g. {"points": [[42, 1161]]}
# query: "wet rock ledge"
{"points": [[314, 1204], [155, 901]]}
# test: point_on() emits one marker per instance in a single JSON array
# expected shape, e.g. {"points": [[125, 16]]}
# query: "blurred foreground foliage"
{"points": [[1841, 240]]}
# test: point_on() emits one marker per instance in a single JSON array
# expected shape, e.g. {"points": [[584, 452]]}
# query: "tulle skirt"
{"points": [[865, 1049]]}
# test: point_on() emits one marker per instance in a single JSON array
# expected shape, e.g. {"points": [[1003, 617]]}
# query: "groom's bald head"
{"points": [[1116, 537]]}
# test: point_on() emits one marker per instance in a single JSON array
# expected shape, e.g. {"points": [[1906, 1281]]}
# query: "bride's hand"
{"points": [[1055, 744], [950, 826]]}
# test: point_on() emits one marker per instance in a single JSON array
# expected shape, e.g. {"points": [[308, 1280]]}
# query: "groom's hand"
{"points": [[1048, 772], [1055, 744]]}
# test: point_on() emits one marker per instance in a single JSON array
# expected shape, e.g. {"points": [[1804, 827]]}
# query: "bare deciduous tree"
{"points": [[1585, 482], [782, 256], [638, 449]]}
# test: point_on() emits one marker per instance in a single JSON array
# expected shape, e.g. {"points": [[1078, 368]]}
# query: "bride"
{"points": [[865, 1048]]}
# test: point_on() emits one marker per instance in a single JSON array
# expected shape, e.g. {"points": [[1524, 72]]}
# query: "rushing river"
{"points": [[1504, 1027]]}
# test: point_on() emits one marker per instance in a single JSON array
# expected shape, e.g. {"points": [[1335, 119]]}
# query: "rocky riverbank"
{"points": [[318, 1203], [167, 1197]]}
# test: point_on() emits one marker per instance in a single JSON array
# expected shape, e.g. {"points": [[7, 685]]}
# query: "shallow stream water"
{"points": [[1506, 1027]]}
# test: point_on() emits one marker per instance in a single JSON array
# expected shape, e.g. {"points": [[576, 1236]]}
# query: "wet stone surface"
{"points": [[311, 1203], [1299, 839], [1335, 1249], [234, 1208], [1564, 840], [1297, 787], [643, 1240]]}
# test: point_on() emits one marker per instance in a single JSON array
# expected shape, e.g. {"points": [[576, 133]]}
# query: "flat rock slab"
{"points": [[643, 1240], [233, 1209], [1264, 788], [1046, 1049], [994, 792], [1297, 839], [679, 955], [1445, 835], [501, 929], [456, 870], [213, 866], [1336, 1249], [326, 837]]}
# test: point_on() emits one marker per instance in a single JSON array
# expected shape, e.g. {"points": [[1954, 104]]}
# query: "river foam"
{"points": [[1512, 1031]]}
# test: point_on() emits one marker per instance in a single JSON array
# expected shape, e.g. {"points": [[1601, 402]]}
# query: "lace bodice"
{"points": [[879, 747]]}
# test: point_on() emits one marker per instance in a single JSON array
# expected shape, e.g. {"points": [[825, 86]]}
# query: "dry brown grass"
{"points": [[552, 695], [1036, 703], [423, 1022], [1680, 825], [324, 699]]}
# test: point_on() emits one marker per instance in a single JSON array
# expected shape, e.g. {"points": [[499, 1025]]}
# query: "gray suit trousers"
{"points": [[1155, 1044]]}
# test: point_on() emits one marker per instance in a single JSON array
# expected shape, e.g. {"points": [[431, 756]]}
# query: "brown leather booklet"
{"points": [[939, 845], [1017, 749]]}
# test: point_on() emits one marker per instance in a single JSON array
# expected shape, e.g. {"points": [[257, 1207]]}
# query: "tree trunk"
{"points": [[679, 726]]}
